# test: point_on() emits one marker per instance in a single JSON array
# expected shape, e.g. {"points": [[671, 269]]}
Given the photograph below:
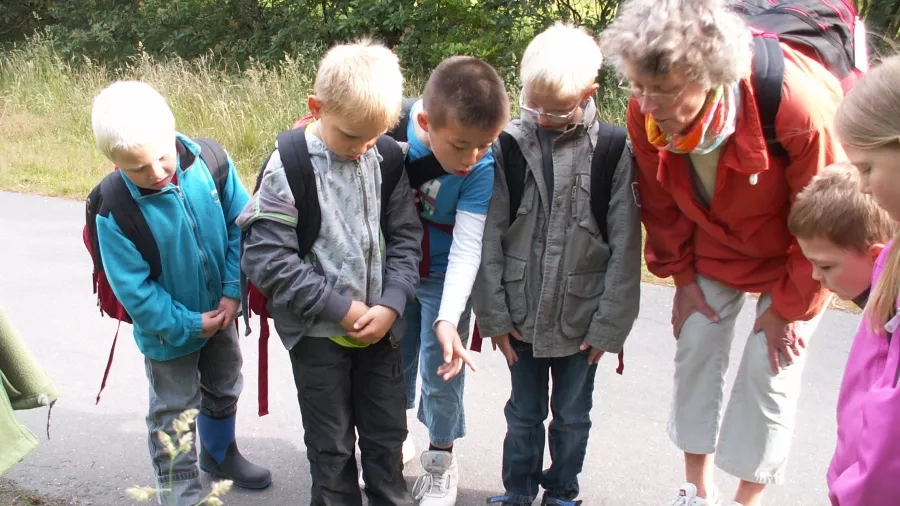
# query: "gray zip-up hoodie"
{"points": [[352, 259], [550, 275]]}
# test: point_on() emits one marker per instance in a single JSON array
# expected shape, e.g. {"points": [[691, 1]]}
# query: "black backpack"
{"points": [[112, 196], [610, 145], [301, 179], [420, 170], [824, 30]]}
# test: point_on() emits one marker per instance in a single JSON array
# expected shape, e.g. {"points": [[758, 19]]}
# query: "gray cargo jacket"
{"points": [[550, 275]]}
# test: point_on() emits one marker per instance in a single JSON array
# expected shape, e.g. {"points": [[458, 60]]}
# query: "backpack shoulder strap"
{"points": [[391, 170], [424, 169], [611, 142], [302, 180], [400, 129], [213, 155], [768, 81], [514, 168], [420, 170], [117, 200]]}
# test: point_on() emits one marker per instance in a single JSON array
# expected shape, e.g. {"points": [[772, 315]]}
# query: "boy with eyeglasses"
{"points": [[558, 287]]}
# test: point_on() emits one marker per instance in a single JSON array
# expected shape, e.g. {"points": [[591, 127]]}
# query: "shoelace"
{"points": [[428, 483], [680, 501]]}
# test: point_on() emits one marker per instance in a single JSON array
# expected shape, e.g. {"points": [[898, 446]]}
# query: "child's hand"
{"points": [[229, 308], [212, 322], [455, 355], [502, 343], [594, 355], [357, 309], [372, 326]]}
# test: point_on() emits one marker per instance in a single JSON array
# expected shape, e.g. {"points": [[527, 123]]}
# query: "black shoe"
{"points": [[552, 501], [236, 468]]}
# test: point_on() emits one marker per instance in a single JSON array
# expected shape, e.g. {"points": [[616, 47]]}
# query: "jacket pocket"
{"points": [[352, 278], [514, 284], [581, 204], [582, 299]]}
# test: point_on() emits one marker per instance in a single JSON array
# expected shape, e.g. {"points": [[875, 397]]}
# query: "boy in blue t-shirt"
{"points": [[463, 110]]}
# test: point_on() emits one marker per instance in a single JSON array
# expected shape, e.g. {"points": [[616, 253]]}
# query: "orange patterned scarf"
{"points": [[715, 124]]}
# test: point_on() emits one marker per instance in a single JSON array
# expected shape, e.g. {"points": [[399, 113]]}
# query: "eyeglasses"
{"points": [[551, 117], [662, 99]]}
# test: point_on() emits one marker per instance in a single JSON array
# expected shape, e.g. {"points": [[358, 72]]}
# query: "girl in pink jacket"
{"points": [[865, 468]]}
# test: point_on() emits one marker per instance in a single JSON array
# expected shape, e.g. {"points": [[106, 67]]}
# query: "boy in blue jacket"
{"points": [[184, 318]]}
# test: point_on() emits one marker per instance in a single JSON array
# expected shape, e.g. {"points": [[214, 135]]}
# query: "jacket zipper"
{"points": [[371, 245], [840, 13], [365, 195], [193, 223], [573, 212]]}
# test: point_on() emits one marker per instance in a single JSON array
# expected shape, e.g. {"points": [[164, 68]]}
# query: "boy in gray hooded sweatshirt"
{"points": [[338, 308]]}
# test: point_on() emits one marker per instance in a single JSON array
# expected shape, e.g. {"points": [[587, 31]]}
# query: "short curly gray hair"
{"points": [[705, 39]]}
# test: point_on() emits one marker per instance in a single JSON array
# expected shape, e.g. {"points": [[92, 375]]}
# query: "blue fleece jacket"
{"points": [[199, 248]]}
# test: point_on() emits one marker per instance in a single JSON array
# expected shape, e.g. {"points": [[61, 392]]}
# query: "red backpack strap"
{"points": [[476, 343], [263, 372], [112, 351], [302, 122], [256, 303]]}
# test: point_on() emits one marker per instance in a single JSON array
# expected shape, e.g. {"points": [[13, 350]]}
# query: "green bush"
{"points": [[241, 33]]}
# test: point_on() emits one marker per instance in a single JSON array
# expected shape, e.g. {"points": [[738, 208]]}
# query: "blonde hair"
{"points": [[128, 114], [831, 206], [563, 60], [869, 119], [705, 39], [361, 80]]}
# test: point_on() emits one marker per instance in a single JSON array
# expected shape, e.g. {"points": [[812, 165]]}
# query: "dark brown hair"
{"points": [[468, 90]]}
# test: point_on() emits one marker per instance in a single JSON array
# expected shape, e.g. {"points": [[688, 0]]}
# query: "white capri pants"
{"points": [[755, 437]]}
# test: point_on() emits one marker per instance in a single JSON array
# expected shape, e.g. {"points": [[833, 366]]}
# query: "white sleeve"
{"points": [[462, 265]]}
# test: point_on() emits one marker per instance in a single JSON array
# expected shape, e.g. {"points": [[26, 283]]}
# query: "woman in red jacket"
{"points": [[715, 205]]}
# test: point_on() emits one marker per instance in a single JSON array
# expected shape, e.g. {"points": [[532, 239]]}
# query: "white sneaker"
{"points": [[409, 450], [409, 453], [687, 496], [437, 487]]}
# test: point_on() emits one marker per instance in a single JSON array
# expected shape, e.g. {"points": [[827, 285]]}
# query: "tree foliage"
{"points": [[241, 32]]}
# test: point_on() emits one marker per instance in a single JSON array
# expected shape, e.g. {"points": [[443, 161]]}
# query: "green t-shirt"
{"points": [[348, 342]]}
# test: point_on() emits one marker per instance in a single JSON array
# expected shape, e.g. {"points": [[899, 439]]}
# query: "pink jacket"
{"points": [[865, 468]]}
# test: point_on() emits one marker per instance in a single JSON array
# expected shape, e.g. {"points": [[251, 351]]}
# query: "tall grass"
{"points": [[46, 143], [45, 104]]}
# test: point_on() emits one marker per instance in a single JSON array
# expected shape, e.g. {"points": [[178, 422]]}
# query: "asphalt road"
{"points": [[96, 451]]}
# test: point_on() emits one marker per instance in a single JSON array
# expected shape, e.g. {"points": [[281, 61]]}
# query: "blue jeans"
{"points": [[570, 402], [209, 380], [441, 404]]}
